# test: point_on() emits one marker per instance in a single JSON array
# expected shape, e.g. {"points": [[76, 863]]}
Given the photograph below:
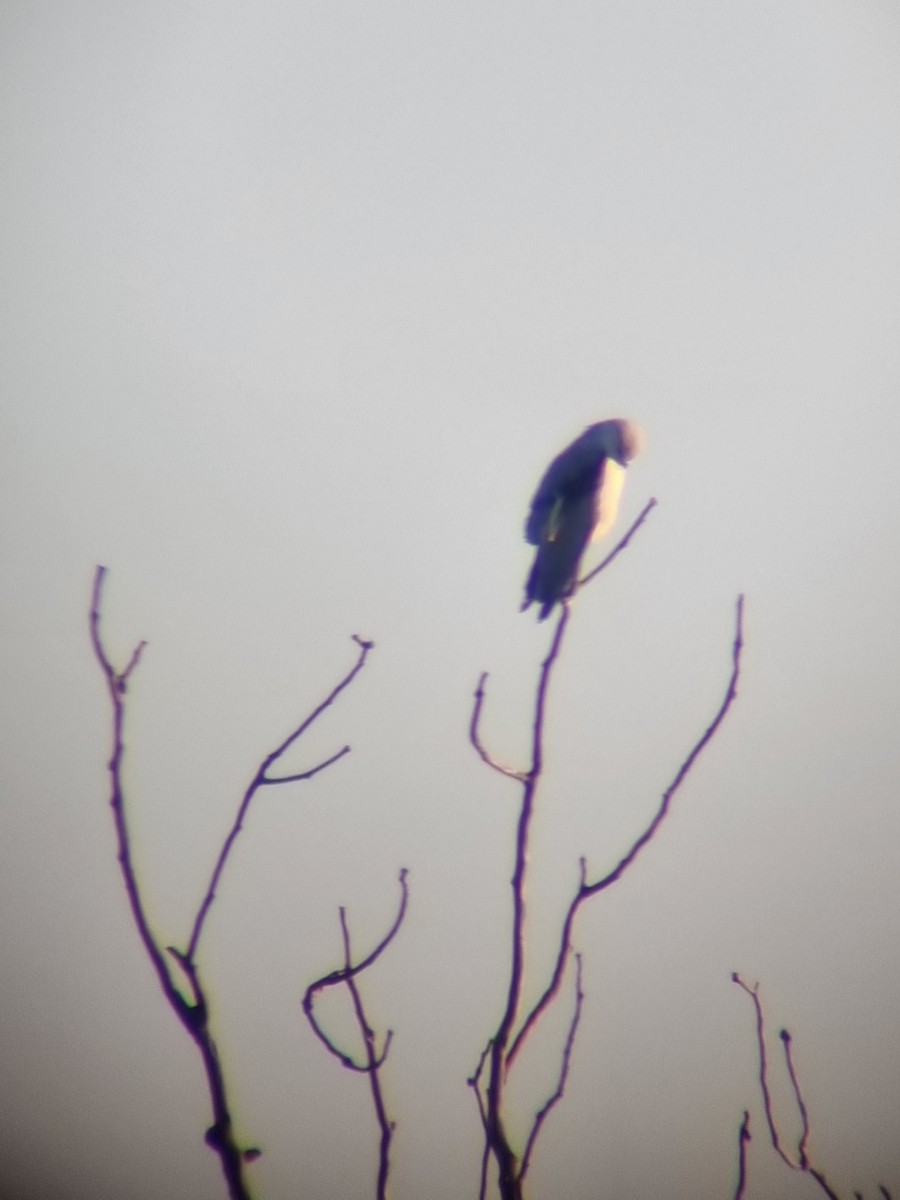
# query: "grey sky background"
{"points": [[299, 300]]}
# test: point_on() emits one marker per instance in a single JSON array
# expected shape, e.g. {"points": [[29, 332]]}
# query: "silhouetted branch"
{"points": [[587, 890], [801, 1107], [311, 772], [194, 1012], [621, 544], [803, 1163], [753, 993], [193, 1016], [262, 778], [475, 738], [743, 1141], [507, 1165], [505, 1043], [474, 1082], [373, 1058], [564, 1067]]}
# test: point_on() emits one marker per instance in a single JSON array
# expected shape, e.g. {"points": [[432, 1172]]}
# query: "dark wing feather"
{"points": [[562, 518]]}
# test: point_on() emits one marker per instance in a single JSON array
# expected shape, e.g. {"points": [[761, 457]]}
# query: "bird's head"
{"points": [[618, 439]]}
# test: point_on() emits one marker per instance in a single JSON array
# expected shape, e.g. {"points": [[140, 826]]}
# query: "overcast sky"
{"points": [[299, 301]]}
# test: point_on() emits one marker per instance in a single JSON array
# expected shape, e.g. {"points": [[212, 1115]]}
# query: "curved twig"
{"points": [[194, 1016], [587, 890], [374, 1059], [744, 1140], [345, 974], [621, 544], [564, 1068], [475, 737], [262, 778], [803, 1162]]}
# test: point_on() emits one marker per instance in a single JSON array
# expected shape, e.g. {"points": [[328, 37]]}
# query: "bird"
{"points": [[576, 503]]}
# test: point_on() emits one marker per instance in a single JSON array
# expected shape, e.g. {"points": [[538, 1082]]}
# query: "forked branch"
{"points": [[193, 1012], [588, 889], [511, 1034], [373, 1057], [802, 1160]]}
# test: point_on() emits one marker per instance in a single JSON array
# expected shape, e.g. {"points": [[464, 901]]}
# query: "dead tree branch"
{"points": [[505, 1043], [262, 778], [374, 1059], [587, 890], [802, 1162], [744, 1140], [193, 1013], [564, 1067]]}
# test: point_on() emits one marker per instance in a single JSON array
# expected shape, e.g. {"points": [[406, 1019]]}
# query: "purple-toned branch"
{"points": [[193, 1016], [753, 993], [621, 544], [193, 1012], [474, 1082], [347, 972], [744, 1140], [798, 1097], [385, 1126], [803, 1162], [564, 1067], [505, 1043], [587, 890], [475, 736], [374, 1059], [263, 778], [506, 1159]]}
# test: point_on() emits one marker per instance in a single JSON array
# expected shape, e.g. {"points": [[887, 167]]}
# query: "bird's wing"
{"points": [[570, 479]]}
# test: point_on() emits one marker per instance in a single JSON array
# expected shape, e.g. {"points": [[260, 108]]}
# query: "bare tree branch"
{"points": [[194, 1012], [803, 1162], [621, 544], [374, 1059], [507, 1164], [193, 1016], [475, 737], [347, 972], [564, 1067], [801, 1107], [505, 1043], [587, 890], [744, 1140], [262, 778], [474, 1082], [753, 993]]}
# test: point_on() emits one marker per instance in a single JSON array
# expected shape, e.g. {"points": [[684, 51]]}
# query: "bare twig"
{"points": [[348, 971], [621, 544], [803, 1162], [193, 1012], [193, 1016], [564, 1067], [475, 737], [744, 1140], [374, 1059], [505, 1043], [753, 993], [262, 778], [801, 1107], [587, 890], [474, 1082], [507, 1164]]}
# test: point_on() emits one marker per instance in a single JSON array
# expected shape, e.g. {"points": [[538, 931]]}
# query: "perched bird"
{"points": [[576, 503]]}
